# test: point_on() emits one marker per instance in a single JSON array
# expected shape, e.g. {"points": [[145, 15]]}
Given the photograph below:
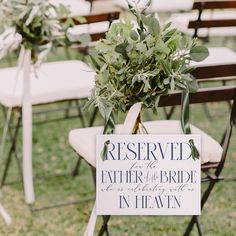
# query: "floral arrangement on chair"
{"points": [[33, 24], [139, 62], [35, 27]]}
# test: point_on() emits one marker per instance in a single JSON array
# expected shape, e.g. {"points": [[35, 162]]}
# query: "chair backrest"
{"points": [[211, 94], [215, 72], [216, 21], [96, 19], [203, 95]]}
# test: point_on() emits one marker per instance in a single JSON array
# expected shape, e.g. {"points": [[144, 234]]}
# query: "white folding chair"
{"points": [[213, 154], [208, 19], [83, 140], [53, 82], [220, 63]]}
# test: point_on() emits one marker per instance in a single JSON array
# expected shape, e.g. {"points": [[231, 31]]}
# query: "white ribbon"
{"points": [[5, 215], [92, 223], [9, 111], [27, 131], [127, 128], [24, 64], [7, 218]]}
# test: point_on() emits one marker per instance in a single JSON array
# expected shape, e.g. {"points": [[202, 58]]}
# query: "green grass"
{"points": [[53, 155]]}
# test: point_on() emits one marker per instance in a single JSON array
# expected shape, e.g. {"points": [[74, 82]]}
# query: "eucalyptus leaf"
{"points": [[199, 53], [121, 48], [153, 26], [134, 35], [150, 61]]}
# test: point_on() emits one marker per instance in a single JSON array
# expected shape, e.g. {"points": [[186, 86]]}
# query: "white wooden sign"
{"points": [[147, 175]]}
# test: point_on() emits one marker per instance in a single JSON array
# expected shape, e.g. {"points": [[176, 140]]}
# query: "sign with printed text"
{"points": [[147, 175]]}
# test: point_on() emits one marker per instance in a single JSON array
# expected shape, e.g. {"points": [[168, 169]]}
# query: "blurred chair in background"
{"points": [[208, 19], [54, 82]]}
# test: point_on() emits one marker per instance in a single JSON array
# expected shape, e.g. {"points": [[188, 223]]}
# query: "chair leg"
{"points": [[189, 229], [67, 110], [104, 228], [80, 113], [200, 231], [194, 219], [93, 170], [5, 171], [14, 140], [190, 226], [13, 149], [75, 172]]}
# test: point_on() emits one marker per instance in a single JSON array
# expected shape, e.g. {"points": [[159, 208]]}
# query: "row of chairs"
{"points": [[221, 65], [55, 82], [73, 88]]}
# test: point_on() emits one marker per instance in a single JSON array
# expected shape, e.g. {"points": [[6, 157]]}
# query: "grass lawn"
{"points": [[53, 155]]}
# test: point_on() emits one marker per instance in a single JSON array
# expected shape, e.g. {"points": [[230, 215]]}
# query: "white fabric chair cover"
{"points": [[89, 135], [54, 81], [161, 5], [181, 21], [211, 150]]}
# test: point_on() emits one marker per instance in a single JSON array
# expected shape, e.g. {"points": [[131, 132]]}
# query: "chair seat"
{"points": [[54, 81], [162, 5], [83, 140], [76, 7], [217, 56], [181, 22]]}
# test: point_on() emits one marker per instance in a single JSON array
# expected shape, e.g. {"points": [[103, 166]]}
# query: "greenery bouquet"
{"points": [[33, 24], [140, 61]]}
